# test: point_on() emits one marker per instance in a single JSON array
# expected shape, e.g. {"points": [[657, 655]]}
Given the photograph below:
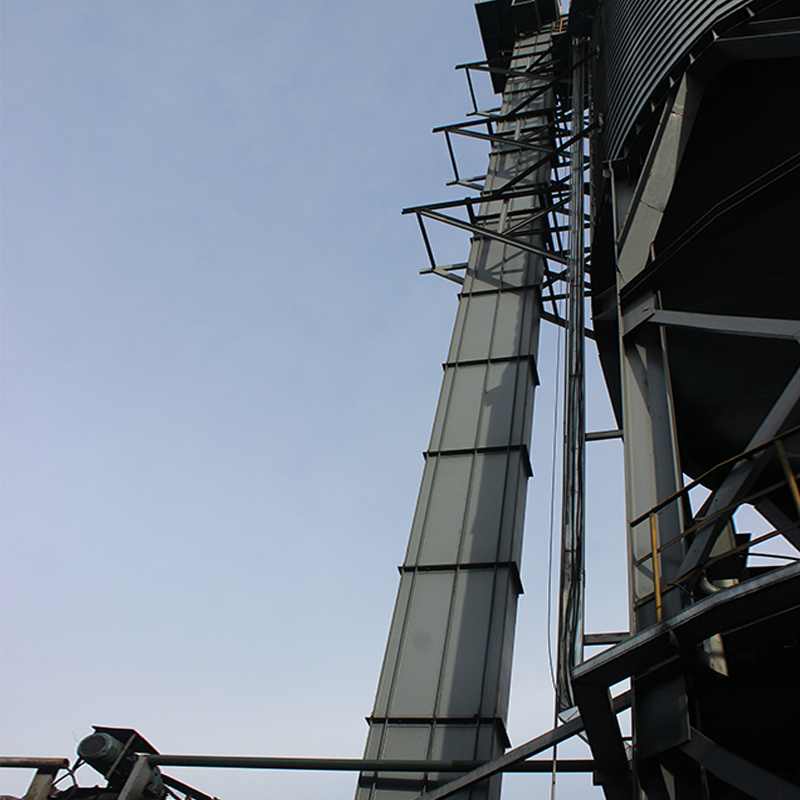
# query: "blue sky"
{"points": [[220, 366]]}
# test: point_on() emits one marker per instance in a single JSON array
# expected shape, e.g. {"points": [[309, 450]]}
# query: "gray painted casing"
{"points": [[444, 686]]}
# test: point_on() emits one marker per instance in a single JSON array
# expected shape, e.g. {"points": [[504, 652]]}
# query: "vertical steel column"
{"points": [[573, 512], [444, 685], [652, 459], [652, 462]]}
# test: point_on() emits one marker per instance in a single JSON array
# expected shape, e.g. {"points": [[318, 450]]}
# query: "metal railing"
{"points": [[789, 481]]}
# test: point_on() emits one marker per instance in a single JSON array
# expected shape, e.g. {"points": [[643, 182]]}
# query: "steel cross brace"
{"points": [[497, 193], [511, 139], [445, 271], [531, 132], [497, 138], [458, 223], [759, 327], [562, 323], [533, 69], [558, 76], [555, 188], [738, 772], [483, 66], [555, 736], [741, 477]]}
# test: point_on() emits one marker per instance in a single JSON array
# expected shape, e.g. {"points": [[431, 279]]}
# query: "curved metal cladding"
{"points": [[641, 42], [725, 203]]}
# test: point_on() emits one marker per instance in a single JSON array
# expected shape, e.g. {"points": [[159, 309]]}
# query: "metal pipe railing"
{"points": [[744, 455], [789, 482]]}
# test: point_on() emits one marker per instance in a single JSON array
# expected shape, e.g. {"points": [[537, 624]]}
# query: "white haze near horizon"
{"points": [[220, 367]]}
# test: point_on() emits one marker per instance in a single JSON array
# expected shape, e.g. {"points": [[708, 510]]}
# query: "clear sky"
{"points": [[220, 367]]}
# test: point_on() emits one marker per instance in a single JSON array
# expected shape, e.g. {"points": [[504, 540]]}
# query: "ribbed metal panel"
{"points": [[641, 41]]}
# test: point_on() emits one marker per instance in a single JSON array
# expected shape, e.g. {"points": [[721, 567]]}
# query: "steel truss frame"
{"points": [[553, 215]]}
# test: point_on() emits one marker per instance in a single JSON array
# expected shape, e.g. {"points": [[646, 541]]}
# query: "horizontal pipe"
{"points": [[606, 638], [597, 436], [34, 763], [360, 764]]}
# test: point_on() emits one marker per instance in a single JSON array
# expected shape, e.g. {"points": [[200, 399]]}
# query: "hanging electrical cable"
{"points": [[570, 616]]}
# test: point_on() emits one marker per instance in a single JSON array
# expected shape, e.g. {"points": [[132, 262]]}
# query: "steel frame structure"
{"points": [[719, 623]]}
